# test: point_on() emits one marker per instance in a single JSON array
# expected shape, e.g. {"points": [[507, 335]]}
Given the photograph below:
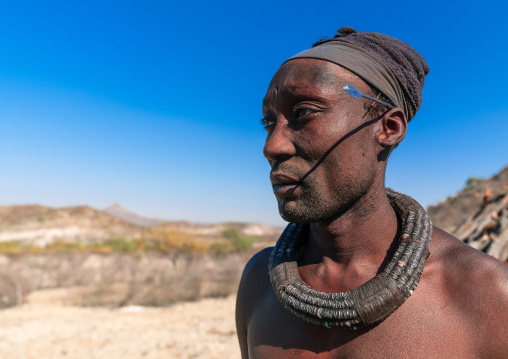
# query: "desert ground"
{"points": [[46, 327]]}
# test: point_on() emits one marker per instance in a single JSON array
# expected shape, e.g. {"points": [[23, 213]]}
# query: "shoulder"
{"points": [[467, 270], [477, 285], [253, 285], [255, 276], [255, 281], [258, 262], [466, 267]]}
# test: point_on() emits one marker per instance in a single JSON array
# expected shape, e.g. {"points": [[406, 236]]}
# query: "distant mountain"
{"points": [[116, 210], [478, 215]]}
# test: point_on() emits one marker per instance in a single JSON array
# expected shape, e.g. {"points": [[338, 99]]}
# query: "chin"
{"points": [[293, 217], [312, 210], [302, 213]]}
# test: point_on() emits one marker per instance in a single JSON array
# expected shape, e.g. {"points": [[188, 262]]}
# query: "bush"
{"points": [[240, 242], [121, 244], [161, 240], [12, 247], [219, 247], [470, 182], [62, 246], [13, 289]]}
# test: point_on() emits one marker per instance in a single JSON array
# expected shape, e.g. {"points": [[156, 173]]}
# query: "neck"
{"points": [[362, 236]]}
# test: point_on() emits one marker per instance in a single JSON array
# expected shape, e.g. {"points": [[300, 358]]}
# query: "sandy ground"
{"points": [[45, 327]]}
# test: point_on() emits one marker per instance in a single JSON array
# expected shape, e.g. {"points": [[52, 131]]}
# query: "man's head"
{"points": [[327, 150]]}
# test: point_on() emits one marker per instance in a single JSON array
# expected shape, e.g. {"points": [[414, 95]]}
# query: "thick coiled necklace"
{"points": [[371, 302]]}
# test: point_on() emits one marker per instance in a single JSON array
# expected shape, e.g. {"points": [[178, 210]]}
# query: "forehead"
{"points": [[311, 77]]}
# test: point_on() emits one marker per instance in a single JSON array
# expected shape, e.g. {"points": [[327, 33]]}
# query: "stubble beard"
{"points": [[314, 206], [317, 202]]}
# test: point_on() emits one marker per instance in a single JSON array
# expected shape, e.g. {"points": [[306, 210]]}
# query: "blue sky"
{"points": [[156, 104]]}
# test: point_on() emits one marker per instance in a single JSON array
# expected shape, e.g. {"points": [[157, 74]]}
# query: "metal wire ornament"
{"points": [[371, 302], [353, 91]]}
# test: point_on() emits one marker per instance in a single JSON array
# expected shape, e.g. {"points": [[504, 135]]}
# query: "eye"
{"points": [[267, 122], [300, 112]]}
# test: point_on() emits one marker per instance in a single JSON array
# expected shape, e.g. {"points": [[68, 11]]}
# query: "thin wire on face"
{"points": [[353, 91]]}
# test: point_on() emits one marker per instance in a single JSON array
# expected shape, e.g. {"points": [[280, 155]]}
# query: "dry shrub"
{"points": [[240, 242], [162, 239], [166, 240], [14, 287], [157, 280], [11, 247], [118, 279]]}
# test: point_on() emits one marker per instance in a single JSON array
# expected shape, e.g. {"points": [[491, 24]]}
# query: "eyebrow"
{"points": [[291, 90]]}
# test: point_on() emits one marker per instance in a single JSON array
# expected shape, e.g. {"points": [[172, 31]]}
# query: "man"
{"points": [[360, 272]]}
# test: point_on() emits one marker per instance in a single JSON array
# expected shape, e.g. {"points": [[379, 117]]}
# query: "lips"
{"points": [[283, 185]]}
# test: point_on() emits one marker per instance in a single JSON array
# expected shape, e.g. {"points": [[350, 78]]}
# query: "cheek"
{"points": [[316, 141], [309, 146], [350, 162]]}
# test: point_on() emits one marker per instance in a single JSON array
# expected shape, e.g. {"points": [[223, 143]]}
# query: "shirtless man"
{"points": [[328, 152]]}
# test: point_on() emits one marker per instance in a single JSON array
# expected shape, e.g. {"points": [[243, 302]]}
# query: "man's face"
{"points": [[321, 151]]}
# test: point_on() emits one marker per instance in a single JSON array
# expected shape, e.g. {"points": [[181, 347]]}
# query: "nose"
{"points": [[279, 145]]}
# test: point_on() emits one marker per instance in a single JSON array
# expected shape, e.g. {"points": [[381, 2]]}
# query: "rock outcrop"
{"points": [[478, 215]]}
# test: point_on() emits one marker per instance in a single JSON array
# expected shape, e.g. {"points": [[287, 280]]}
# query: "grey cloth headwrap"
{"points": [[388, 64]]}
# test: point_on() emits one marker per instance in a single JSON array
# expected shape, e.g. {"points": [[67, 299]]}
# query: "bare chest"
{"points": [[415, 330]]}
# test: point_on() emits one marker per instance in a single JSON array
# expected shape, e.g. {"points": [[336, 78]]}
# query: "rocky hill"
{"points": [[478, 215], [253, 229], [40, 225]]}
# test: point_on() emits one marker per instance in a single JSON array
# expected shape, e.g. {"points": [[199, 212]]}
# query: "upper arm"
{"points": [[252, 285], [493, 301]]}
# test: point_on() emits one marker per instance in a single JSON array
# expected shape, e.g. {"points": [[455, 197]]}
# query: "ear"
{"points": [[393, 127]]}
